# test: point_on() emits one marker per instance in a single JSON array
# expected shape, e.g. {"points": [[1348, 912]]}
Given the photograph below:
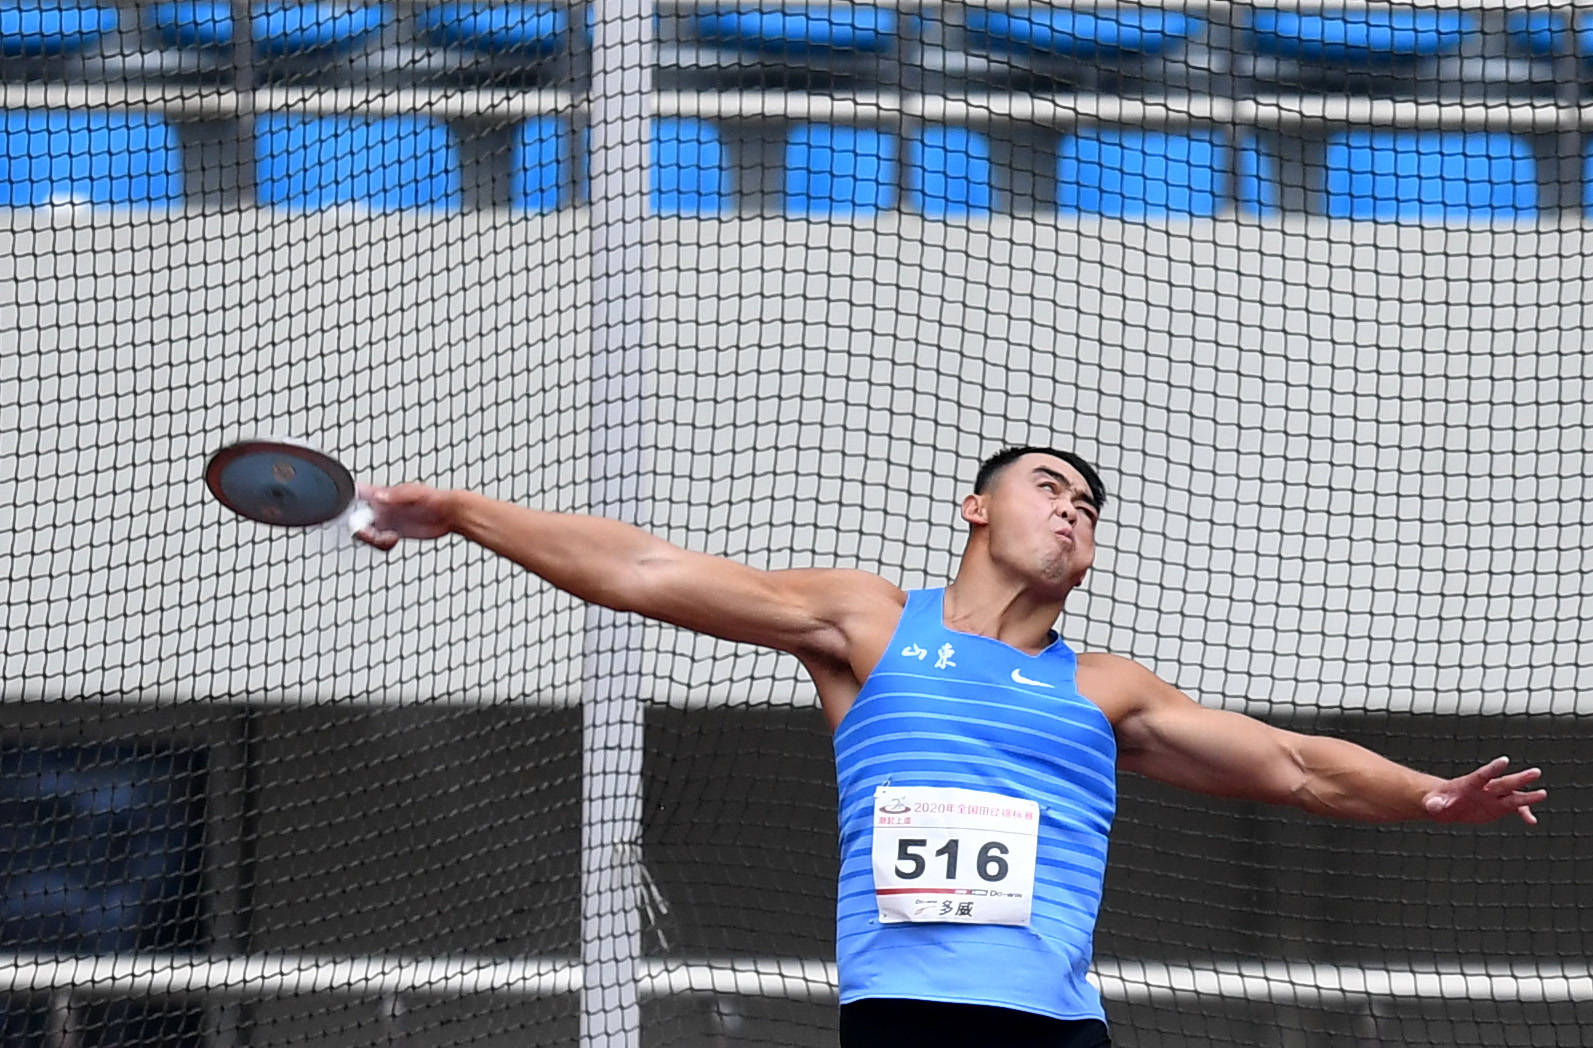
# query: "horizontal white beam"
{"points": [[786, 978], [200, 103], [880, 108], [1308, 984], [1381, 112], [281, 975], [1069, 110], [781, 978]]}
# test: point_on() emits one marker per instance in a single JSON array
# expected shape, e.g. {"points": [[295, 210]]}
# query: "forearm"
{"points": [[596, 559], [622, 567], [1347, 781], [1170, 737]]}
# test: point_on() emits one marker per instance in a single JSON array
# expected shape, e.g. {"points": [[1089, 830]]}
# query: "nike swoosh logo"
{"points": [[1019, 678]]}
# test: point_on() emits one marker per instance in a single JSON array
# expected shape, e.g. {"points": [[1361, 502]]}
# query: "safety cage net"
{"points": [[1307, 281]]}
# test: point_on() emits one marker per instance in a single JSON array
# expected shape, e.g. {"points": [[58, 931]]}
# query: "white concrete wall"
{"points": [[1349, 461]]}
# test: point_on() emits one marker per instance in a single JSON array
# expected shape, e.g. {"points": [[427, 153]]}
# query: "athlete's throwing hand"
{"points": [[407, 511], [1485, 795]]}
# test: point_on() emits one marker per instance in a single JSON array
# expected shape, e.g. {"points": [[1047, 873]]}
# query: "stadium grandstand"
{"points": [[770, 279]]}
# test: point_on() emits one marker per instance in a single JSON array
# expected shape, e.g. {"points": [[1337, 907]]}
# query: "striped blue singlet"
{"points": [[945, 708]]}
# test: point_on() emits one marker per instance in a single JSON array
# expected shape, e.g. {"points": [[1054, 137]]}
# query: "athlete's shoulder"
{"points": [[845, 587], [859, 612], [1119, 685], [850, 610], [1107, 664]]}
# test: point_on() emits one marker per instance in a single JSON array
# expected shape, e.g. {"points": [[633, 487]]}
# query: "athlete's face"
{"points": [[1041, 519]]}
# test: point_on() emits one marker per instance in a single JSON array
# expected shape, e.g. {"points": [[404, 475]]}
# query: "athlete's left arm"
{"points": [[1166, 735]]}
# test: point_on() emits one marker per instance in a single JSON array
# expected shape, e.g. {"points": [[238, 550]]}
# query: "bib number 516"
{"points": [[950, 855], [990, 863]]}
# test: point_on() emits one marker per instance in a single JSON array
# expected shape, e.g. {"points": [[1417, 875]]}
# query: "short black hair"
{"points": [[1002, 459]]}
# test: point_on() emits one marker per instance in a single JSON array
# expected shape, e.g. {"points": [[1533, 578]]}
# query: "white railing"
{"points": [[1303, 983], [881, 107]]}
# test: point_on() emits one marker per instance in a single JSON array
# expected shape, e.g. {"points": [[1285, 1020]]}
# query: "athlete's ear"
{"points": [[973, 509]]}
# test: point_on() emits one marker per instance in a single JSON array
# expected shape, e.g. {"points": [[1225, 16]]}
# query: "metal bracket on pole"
{"points": [[623, 257]]}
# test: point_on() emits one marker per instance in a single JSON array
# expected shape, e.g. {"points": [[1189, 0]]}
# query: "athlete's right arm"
{"points": [[816, 614]]}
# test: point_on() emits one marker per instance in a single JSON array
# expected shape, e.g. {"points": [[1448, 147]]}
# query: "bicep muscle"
{"points": [[808, 612]]}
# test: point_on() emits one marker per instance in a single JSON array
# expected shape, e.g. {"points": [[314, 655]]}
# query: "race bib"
{"points": [[943, 854]]}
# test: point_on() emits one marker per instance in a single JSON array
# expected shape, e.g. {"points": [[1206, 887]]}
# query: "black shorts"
{"points": [[885, 1022]]}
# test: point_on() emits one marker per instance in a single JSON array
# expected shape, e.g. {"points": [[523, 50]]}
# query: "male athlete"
{"points": [[975, 752]]}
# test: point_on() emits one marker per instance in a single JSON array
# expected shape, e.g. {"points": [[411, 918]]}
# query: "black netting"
{"points": [[1308, 282]]}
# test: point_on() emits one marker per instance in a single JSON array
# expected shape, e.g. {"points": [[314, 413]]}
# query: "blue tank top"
{"points": [[945, 708]]}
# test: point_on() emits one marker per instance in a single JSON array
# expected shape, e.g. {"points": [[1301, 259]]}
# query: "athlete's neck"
{"points": [[984, 603]]}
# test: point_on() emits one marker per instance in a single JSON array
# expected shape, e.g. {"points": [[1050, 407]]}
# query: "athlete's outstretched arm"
{"points": [[1168, 736], [806, 612]]}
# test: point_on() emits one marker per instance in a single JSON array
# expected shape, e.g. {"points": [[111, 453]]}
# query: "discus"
{"points": [[281, 483]]}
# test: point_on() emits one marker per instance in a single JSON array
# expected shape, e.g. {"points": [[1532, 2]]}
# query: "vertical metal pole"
{"points": [[623, 257], [60, 1034], [240, 192]]}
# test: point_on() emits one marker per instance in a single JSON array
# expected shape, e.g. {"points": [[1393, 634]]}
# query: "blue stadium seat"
{"points": [[526, 29], [387, 164], [1142, 174], [278, 28], [794, 29], [40, 28], [1587, 181], [1549, 33], [1081, 33], [1360, 35], [948, 173], [88, 157], [1416, 175], [839, 170], [540, 160], [691, 168], [1539, 32]]}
